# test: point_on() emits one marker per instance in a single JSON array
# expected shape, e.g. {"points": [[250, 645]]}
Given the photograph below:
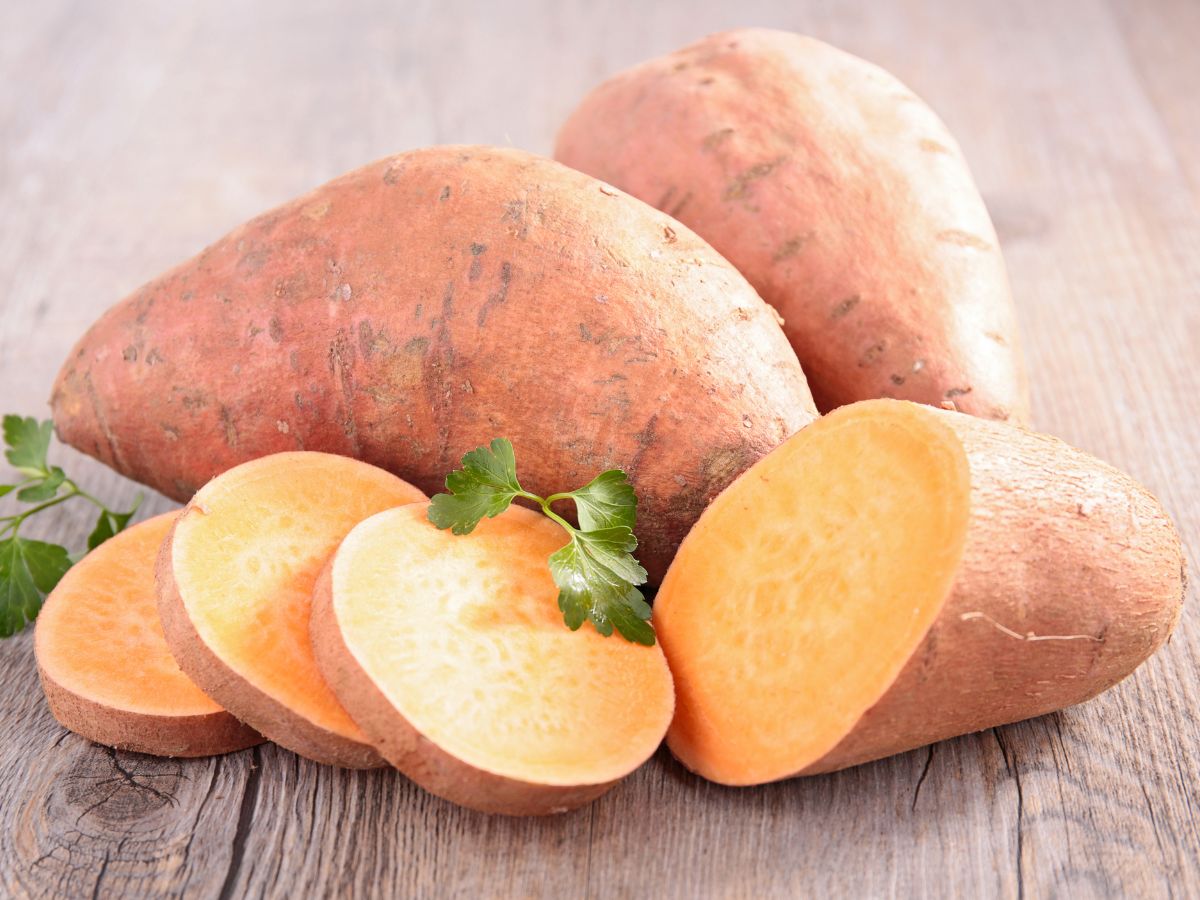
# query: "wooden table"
{"points": [[131, 134]]}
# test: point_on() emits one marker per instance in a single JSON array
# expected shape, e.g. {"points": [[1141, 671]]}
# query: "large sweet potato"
{"points": [[425, 304], [839, 194]]}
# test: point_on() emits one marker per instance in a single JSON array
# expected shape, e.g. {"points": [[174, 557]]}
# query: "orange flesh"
{"points": [[463, 636], [807, 585], [98, 636], [247, 552]]}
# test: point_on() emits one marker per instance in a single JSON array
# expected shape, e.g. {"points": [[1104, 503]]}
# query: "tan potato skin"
{"points": [[411, 752], [1072, 576], [840, 196], [423, 305], [228, 688], [183, 736]]}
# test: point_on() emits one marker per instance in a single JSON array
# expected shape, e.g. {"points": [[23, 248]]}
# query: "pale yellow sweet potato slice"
{"points": [[894, 575], [451, 653], [235, 585], [104, 663]]}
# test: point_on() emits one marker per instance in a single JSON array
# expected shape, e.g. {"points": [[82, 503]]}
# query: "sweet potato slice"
{"points": [[104, 663], [235, 582], [894, 575], [805, 588], [451, 653]]}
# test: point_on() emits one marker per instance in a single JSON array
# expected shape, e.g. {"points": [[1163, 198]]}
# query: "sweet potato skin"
{"points": [[406, 748], [207, 734], [842, 198], [427, 303], [1072, 576], [228, 688]]}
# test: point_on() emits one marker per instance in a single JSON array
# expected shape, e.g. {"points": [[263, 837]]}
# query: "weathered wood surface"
{"points": [[131, 134]]}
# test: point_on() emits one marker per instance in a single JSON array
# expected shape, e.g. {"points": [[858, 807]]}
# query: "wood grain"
{"points": [[132, 134]]}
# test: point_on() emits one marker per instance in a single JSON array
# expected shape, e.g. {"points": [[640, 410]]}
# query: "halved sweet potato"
{"points": [[104, 663], [451, 653], [894, 575], [235, 580]]}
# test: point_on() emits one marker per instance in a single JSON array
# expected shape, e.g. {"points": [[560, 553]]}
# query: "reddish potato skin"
{"points": [[1072, 576], [842, 198], [427, 303]]}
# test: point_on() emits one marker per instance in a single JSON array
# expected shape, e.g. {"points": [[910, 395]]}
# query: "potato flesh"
{"points": [[806, 587], [463, 636], [99, 637], [246, 555]]}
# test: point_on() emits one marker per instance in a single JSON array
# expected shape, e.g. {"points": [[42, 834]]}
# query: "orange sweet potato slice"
{"points": [[235, 582], [451, 653], [104, 663], [807, 585]]}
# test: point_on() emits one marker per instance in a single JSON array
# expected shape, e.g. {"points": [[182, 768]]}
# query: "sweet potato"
{"points": [[451, 653], [432, 301], [104, 663], [894, 575], [235, 580], [842, 198]]}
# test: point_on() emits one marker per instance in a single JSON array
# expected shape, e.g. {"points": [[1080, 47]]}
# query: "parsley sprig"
{"points": [[596, 572], [30, 569]]}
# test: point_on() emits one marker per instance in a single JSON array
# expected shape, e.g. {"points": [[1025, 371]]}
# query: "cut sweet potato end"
{"points": [[241, 565], [105, 665], [806, 586], [463, 637]]}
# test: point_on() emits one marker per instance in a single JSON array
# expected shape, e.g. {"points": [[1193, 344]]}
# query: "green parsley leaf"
{"points": [[495, 466], [596, 572], [484, 486], [102, 532], [606, 501], [44, 489], [110, 523], [28, 441], [28, 571], [597, 576]]}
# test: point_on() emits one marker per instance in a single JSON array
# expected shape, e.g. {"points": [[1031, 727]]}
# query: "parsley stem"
{"points": [[80, 492], [544, 503], [556, 517], [72, 490], [15, 522]]}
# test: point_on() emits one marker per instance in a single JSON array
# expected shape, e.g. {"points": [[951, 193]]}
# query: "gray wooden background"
{"points": [[131, 134]]}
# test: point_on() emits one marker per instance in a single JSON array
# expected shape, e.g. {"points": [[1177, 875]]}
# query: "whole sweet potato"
{"points": [[427, 303], [842, 198]]}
